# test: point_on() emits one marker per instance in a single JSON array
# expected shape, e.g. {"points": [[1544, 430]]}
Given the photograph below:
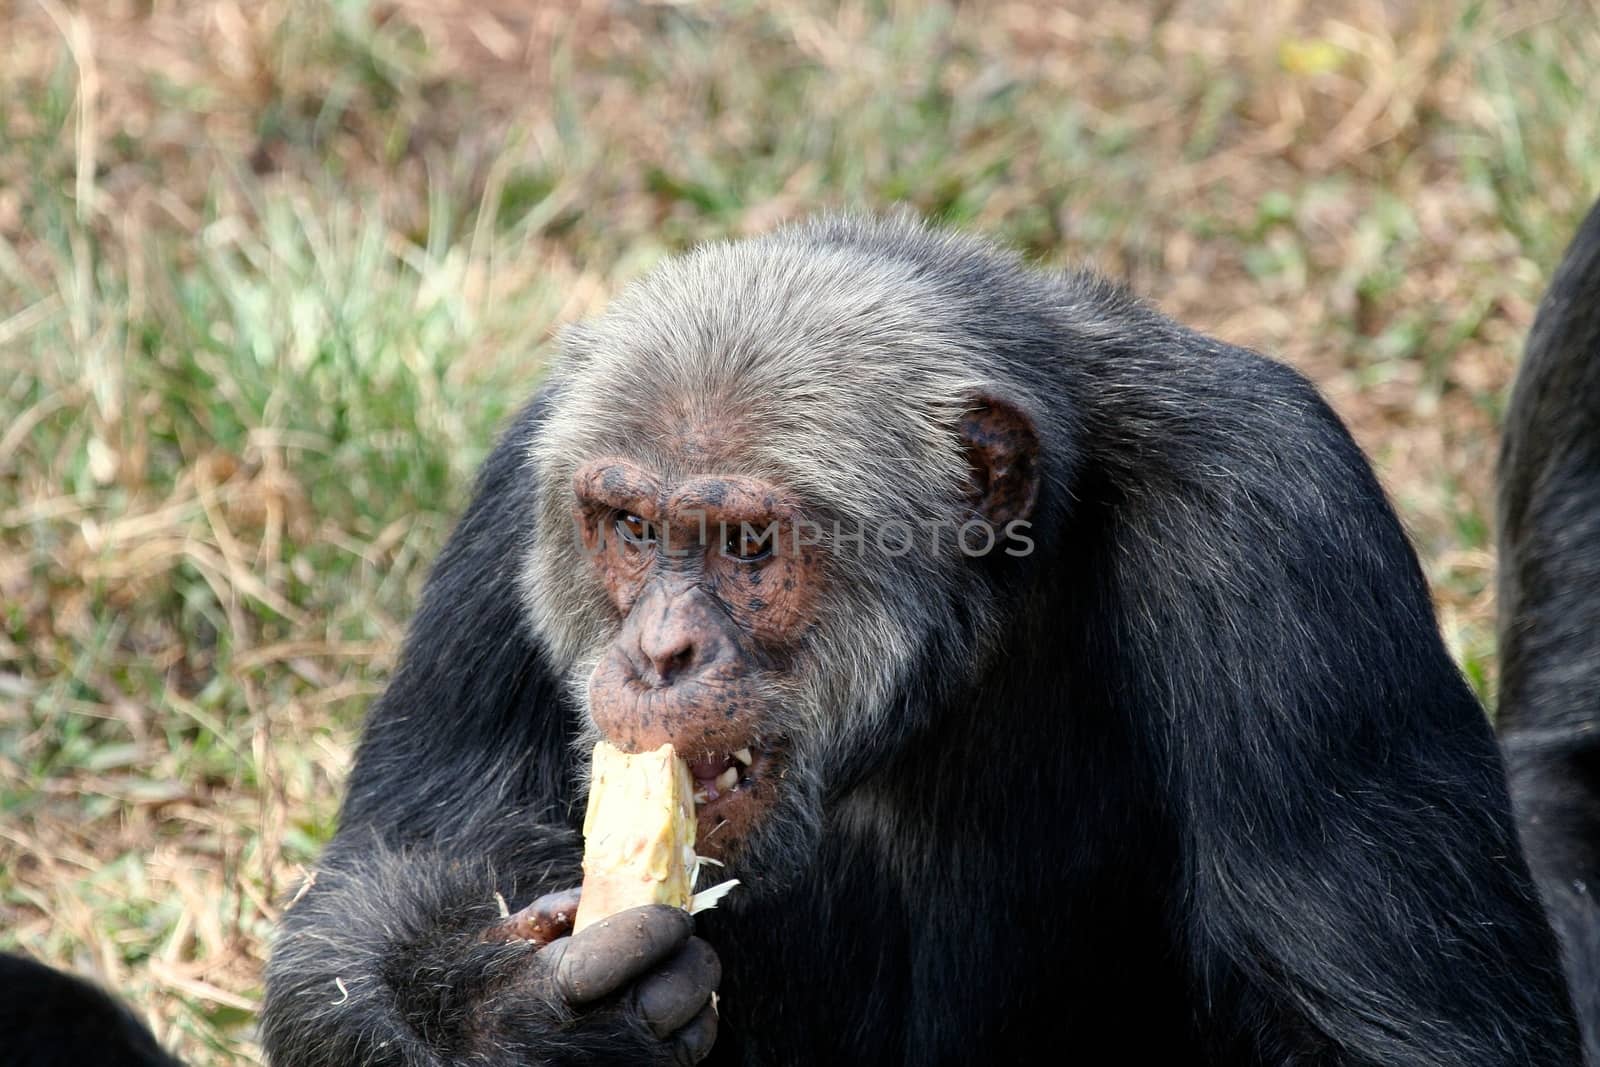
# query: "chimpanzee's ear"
{"points": [[1003, 452]]}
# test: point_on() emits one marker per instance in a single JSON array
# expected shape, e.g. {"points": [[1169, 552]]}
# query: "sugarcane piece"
{"points": [[638, 833]]}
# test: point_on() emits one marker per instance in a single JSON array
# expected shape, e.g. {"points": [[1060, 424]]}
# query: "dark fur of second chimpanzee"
{"points": [[49, 1018], [1550, 610]]}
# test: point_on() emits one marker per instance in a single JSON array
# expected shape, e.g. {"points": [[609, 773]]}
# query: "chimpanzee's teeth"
{"points": [[744, 757], [701, 796], [728, 779]]}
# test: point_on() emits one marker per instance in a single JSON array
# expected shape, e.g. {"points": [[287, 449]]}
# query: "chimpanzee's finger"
{"points": [[693, 1043], [541, 922], [603, 957], [674, 993]]}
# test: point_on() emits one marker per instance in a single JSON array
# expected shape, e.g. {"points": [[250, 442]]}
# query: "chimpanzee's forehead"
{"points": [[679, 443], [838, 375]]}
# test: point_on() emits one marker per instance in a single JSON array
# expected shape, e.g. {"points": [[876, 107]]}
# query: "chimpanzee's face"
{"points": [[767, 476], [715, 586]]}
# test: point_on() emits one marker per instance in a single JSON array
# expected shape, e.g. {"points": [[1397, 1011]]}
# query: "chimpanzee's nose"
{"points": [[673, 635], [671, 651]]}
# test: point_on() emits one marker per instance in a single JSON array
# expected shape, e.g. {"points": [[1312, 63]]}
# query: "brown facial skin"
{"points": [[703, 630]]}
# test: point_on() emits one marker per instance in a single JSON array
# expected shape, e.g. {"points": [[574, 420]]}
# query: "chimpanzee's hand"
{"points": [[637, 984], [648, 957]]}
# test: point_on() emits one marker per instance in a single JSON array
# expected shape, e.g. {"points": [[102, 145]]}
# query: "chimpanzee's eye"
{"points": [[747, 544], [635, 531]]}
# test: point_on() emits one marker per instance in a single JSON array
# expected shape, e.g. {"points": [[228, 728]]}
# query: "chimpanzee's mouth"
{"points": [[717, 777], [732, 794]]}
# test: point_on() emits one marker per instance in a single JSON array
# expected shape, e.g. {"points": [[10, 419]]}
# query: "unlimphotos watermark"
{"points": [[694, 532]]}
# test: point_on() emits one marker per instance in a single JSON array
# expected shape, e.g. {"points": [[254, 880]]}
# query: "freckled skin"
{"points": [[693, 662]]}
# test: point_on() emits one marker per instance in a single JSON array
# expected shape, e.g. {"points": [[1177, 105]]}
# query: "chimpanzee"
{"points": [[1549, 602], [49, 1018], [1057, 682]]}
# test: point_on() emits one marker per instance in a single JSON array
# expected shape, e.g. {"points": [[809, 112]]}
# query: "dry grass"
{"points": [[271, 274]]}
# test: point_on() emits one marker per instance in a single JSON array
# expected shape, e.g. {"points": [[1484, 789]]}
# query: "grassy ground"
{"points": [[271, 274]]}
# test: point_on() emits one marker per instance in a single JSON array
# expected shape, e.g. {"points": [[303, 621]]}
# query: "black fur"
{"points": [[1550, 610], [51, 1019], [1225, 798]]}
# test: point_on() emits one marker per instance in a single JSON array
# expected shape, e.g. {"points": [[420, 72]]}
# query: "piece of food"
{"points": [[638, 833]]}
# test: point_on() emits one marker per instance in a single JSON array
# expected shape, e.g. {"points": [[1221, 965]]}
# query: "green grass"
{"points": [[271, 277]]}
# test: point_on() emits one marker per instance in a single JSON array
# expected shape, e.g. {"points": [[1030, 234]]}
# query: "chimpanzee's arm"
{"points": [[1353, 888], [461, 790]]}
